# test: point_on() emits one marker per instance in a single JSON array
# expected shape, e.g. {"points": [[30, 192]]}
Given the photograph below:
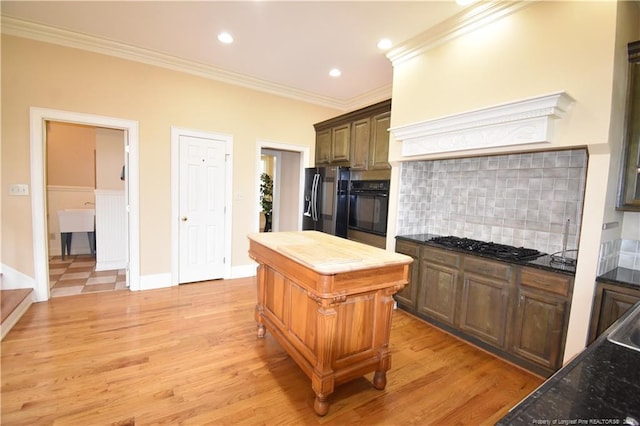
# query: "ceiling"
{"points": [[284, 47]]}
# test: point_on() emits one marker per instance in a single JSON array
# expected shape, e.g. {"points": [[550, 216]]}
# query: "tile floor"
{"points": [[76, 274]]}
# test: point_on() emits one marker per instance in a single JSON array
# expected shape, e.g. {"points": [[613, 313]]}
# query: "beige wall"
{"points": [[70, 154], [546, 47], [543, 48], [49, 76]]}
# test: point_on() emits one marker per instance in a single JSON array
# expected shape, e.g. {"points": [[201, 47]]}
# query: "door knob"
{"points": [[183, 218]]}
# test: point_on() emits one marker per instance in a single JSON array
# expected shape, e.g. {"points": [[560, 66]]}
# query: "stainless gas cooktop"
{"points": [[500, 251]]}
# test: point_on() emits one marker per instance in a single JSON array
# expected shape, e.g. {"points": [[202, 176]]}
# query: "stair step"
{"points": [[13, 304]]}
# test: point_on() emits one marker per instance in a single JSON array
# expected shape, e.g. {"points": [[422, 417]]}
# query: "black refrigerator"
{"points": [[326, 200]]}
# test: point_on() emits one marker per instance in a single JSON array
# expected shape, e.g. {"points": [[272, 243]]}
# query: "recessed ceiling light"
{"points": [[225, 38], [384, 44], [335, 72]]}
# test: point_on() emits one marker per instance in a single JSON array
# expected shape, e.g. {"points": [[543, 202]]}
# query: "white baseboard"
{"points": [[14, 316], [244, 271], [155, 281], [13, 279]]}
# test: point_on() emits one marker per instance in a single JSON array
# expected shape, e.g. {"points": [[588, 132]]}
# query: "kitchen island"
{"points": [[328, 301]]}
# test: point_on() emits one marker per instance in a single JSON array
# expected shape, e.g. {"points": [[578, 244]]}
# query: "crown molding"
{"points": [[48, 34], [516, 123], [473, 17], [369, 98]]}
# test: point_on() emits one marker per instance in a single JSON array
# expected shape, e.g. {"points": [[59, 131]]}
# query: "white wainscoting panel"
{"points": [[111, 230]]}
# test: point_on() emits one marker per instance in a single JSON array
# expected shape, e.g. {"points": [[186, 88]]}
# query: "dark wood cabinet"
{"points": [[340, 144], [541, 317], [517, 312], [610, 303], [359, 139], [379, 144], [438, 284], [408, 295], [484, 305], [360, 136], [332, 146], [323, 147]]}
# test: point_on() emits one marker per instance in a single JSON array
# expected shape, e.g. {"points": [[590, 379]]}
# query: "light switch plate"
{"points": [[19, 189]]}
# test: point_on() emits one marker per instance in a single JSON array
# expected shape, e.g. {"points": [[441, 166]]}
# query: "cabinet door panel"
{"points": [[539, 331], [379, 147], [408, 294], [614, 305], [360, 135], [484, 307], [323, 147], [438, 290], [340, 138]]}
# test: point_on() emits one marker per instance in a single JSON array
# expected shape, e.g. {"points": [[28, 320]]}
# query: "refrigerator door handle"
{"points": [[314, 197]]}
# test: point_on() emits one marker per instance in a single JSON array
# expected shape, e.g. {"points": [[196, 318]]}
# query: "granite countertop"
{"points": [[545, 262], [622, 276], [327, 254], [600, 386]]}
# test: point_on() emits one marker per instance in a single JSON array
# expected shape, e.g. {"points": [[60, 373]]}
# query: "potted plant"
{"points": [[266, 199]]}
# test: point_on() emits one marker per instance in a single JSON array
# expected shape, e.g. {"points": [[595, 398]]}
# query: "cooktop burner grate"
{"points": [[500, 251]]}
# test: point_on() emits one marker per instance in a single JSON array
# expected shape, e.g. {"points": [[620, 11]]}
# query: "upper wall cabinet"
{"points": [[629, 193], [359, 139]]}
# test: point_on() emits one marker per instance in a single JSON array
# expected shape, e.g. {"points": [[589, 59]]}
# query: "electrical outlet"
{"points": [[20, 189]]}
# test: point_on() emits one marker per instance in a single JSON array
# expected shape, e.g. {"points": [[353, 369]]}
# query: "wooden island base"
{"points": [[328, 302]]}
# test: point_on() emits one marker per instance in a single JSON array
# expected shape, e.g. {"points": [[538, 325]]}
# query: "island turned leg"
{"points": [[380, 380], [260, 277], [384, 355], [321, 405], [322, 377]]}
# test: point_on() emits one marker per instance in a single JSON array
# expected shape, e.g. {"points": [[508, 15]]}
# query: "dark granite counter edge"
{"points": [[543, 262], [623, 277], [559, 375]]}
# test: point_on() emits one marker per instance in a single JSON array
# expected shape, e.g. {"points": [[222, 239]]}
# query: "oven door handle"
{"points": [[369, 193]]}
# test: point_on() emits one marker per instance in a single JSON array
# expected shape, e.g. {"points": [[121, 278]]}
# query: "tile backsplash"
{"points": [[623, 253], [525, 200]]}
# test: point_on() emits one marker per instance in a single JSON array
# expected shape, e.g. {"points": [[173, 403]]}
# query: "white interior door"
{"points": [[201, 209]]}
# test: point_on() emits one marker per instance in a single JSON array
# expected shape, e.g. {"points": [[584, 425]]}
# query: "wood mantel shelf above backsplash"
{"points": [[515, 123]]}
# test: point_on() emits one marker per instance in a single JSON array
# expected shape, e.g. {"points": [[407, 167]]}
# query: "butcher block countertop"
{"points": [[327, 254]]}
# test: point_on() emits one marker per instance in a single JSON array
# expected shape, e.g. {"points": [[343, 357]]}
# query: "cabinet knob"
{"points": [[183, 218]]}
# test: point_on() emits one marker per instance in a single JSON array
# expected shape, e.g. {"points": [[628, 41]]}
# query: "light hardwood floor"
{"points": [[190, 355]]}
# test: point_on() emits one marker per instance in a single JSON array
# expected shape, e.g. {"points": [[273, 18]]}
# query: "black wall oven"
{"points": [[368, 206]]}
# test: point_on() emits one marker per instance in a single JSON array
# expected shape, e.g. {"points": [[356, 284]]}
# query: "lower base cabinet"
{"points": [[484, 307], [611, 301], [408, 295], [541, 317], [438, 291], [517, 312], [538, 333]]}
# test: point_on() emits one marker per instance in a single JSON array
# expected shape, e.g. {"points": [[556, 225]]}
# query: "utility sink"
{"points": [[627, 333], [77, 220]]}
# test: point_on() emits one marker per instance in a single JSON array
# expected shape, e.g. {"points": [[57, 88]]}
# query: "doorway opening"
{"points": [[39, 117], [85, 196], [285, 165]]}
